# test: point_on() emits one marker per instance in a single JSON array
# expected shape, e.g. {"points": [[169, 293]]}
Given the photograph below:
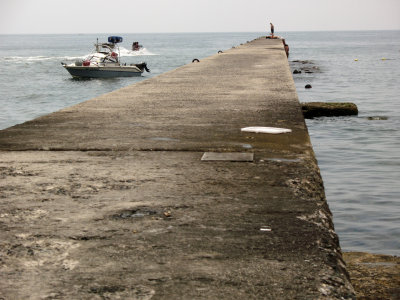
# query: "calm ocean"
{"points": [[359, 156]]}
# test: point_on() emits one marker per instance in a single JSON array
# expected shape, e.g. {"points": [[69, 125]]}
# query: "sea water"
{"points": [[358, 156]]}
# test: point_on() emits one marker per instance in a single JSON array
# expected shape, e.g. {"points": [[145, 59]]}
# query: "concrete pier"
{"points": [[109, 199]]}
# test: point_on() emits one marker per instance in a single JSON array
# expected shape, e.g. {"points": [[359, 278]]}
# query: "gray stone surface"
{"points": [[109, 199], [228, 156]]}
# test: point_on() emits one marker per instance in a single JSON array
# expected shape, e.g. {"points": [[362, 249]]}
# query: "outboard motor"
{"points": [[143, 66]]}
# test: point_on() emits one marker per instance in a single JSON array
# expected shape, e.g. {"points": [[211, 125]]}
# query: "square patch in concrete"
{"points": [[227, 156]]}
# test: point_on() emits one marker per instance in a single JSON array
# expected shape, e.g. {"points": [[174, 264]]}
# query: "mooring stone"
{"points": [[328, 109]]}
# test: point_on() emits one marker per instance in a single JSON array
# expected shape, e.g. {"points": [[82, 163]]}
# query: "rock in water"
{"points": [[377, 118], [328, 109]]}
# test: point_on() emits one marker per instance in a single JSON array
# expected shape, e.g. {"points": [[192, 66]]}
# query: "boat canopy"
{"points": [[115, 39]]}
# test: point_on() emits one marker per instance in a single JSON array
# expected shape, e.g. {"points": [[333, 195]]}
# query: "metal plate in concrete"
{"points": [[228, 156]]}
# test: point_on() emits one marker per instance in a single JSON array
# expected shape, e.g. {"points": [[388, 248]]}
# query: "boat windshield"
{"points": [[104, 53]]}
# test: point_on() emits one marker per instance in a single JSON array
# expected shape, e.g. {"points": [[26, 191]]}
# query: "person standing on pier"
{"points": [[272, 30]]}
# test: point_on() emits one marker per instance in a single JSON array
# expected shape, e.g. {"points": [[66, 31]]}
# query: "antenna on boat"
{"points": [[119, 53]]}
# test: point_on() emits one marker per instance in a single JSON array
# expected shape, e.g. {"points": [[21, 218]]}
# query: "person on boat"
{"points": [[135, 46], [113, 57]]}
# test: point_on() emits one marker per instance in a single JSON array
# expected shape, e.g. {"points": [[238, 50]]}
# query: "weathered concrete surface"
{"points": [[109, 199]]}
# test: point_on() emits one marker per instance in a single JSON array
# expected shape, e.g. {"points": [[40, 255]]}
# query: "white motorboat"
{"points": [[104, 62]]}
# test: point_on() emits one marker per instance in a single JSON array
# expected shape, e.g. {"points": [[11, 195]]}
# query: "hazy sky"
{"points": [[136, 16]]}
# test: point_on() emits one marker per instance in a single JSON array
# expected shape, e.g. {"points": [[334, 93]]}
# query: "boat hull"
{"points": [[103, 72]]}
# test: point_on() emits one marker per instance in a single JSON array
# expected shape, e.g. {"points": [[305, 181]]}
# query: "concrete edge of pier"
{"points": [[110, 198]]}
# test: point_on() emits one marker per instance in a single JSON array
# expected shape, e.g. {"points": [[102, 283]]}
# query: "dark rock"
{"points": [[304, 66], [325, 109], [308, 86], [296, 72]]}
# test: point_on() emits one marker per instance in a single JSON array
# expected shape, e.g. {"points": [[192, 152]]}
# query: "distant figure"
{"points": [[287, 50], [136, 46], [272, 30], [286, 46]]}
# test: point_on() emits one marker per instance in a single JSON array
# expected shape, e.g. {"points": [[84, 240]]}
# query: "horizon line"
{"points": [[194, 32]]}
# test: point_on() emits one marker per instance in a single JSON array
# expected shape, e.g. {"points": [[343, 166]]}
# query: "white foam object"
{"points": [[272, 130]]}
